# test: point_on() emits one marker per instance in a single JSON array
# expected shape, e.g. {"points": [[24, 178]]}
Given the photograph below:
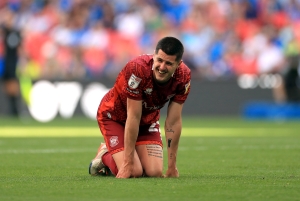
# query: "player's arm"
{"points": [[134, 113], [173, 126]]}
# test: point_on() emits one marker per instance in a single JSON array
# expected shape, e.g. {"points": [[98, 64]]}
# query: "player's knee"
{"points": [[138, 172], [154, 172]]}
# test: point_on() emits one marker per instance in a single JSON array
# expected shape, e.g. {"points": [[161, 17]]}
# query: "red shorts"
{"points": [[113, 133]]}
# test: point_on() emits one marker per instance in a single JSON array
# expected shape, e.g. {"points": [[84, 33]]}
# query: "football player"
{"points": [[128, 115]]}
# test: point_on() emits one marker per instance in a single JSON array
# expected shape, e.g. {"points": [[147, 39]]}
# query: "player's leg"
{"points": [[106, 163], [11, 85], [103, 159], [150, 151], [97, 166], [151, 157], [113, 133], [137, 168]]}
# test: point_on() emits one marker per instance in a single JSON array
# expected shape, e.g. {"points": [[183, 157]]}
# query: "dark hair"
{"points": [[170, 46]]}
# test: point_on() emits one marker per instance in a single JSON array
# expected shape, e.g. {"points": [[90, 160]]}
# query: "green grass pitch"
{"points": [[219, 159]]}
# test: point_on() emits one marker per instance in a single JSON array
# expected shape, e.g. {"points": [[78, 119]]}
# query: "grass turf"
{"points": [[218, 159]]}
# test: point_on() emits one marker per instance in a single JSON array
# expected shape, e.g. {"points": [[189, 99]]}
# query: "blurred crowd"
{"points": [[82, 39]]}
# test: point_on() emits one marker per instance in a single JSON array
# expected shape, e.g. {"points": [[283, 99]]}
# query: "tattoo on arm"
{"points": [[169, 142], [170, 130]]}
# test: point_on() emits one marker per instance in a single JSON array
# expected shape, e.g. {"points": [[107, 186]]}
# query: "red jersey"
{"points": [[136, 81]]}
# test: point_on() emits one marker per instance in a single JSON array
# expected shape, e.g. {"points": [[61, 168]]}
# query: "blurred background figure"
{"points": [[291, 80], [11, 37]]}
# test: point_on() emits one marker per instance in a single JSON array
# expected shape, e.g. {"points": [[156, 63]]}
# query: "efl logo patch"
{"points": [[134, 81]]}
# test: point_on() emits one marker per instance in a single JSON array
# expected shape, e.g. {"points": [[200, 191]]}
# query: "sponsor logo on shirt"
{"points": [[154, 107], [134, 81], [131, 91]]}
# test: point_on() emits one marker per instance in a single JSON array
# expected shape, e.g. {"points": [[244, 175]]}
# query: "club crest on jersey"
{"points": [[113, 141], [134, 81], [148, 91]]}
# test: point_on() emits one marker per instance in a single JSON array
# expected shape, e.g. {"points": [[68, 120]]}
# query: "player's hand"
{"points": [[125, 171], [172, 173]]}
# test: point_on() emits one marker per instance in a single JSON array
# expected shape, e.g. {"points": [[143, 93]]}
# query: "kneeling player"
{"points": [[128, 115]]}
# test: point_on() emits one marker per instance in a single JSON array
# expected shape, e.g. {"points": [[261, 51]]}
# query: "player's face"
{"points": [[164, 66]]}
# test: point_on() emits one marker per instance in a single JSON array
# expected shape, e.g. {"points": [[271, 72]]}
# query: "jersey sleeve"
{"points": [[133, 81], [184, 88]]}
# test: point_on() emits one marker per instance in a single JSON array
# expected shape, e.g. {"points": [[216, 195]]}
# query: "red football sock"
{"points": [[108, 161]]}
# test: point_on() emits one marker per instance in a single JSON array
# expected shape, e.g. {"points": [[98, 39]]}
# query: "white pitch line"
{"points": [[45, 151], [183, 148], [94, 132]]}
